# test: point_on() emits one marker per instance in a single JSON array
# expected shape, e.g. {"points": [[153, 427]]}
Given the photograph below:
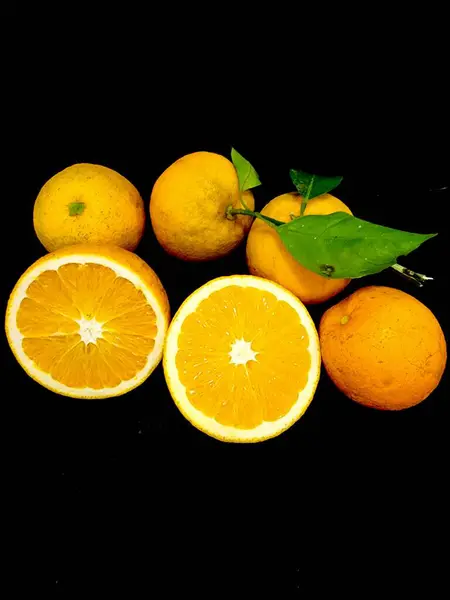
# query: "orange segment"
{"points": [[138, 319], [123, 362], [49, 288], [280, 367], [86, 284], [242, 358], [137, 344], [35, 320], [46, 352], [121, 297], [88, 321]]}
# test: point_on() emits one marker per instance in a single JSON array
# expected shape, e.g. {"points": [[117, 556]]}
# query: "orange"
{"points": [[88, 321], [242, 359], [383, 348], [267, 256], [89, 203], [188, 207]]}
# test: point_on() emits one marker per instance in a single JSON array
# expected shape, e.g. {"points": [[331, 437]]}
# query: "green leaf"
{"points": [[341, 245], [310, 186], [76, 208], [248, 177]]}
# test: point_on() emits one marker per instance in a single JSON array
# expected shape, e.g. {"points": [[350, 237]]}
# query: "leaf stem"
{"points": [[305, 198], [230, 212], [242, 200], [418, 278]]}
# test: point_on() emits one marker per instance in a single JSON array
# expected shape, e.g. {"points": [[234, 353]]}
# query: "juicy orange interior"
{"points": [[266, 386], [85, 326]]}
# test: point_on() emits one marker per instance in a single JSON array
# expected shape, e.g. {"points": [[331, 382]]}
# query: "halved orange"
{"points": [[88, 321], [242, 359]]}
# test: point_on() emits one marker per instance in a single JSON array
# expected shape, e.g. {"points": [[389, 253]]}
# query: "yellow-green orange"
{"points": [[88, 203], [188, 207], [267, 256]]}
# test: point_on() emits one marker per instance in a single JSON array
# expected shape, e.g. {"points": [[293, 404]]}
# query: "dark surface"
{"points": [[136, 483]]}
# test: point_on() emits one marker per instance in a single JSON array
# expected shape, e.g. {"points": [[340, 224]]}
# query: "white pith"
{"points": [[241, 352], [89, 329], [179, 392]]}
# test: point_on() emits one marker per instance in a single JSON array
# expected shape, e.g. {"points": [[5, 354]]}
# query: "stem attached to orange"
{"points": [[230, 212]]}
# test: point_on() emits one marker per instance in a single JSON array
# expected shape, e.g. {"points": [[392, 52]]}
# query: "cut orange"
{"points": [[242, 359], [88, 321]]}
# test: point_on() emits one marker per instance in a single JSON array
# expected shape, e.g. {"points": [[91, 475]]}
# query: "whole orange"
{"points": [[88, 203], [188, 207], [267, 256], [383, 348]]}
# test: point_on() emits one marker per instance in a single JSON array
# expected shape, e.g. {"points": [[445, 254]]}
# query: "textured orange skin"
{"points": [[267, 256], [188, 207], [119, 255], [390, 354], [114, 211]]}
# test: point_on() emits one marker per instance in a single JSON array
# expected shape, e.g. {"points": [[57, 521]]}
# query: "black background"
{"points": [[139, 496]]}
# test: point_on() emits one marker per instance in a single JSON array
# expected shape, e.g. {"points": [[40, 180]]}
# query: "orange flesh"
{"points": [[56, 300], [243, 395]]}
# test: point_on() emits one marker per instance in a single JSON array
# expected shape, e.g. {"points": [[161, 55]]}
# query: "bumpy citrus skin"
{"points": [[113, 211], [383, 348], [267, 256], [188, 207]]}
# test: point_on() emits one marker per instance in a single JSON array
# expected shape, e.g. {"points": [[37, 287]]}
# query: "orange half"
{"points": [[88, 321], [242, 359]]}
